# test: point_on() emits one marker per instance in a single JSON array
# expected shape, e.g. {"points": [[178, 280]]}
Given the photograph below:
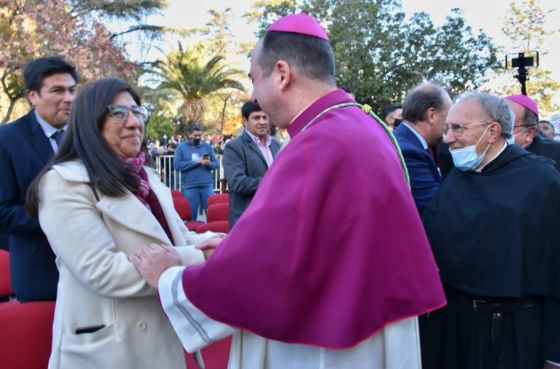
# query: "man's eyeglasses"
{"points": [[524, 126], [458, 128], [120, 112]]}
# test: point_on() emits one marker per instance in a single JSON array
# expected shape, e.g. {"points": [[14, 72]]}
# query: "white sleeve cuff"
{"points": [[192, 326]]}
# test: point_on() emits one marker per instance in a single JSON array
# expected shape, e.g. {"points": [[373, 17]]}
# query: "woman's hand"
{"points": [[209, 246]]}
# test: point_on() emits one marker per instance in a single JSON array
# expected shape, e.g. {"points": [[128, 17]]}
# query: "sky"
{"points": [[486, 14]]}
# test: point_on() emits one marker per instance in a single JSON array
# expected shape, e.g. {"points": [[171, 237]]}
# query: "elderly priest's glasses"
{"points": [[458, 128]]}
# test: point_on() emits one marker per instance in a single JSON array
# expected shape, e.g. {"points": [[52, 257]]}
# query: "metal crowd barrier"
{"points": [[172, 178]]}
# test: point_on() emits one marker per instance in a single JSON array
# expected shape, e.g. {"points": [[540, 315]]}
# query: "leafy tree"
{"points": [[265, 12], [461, 60], [186, 73], [223, 112], [526, 26], [380, 55], [218, 32], [160, 124], [71, 28], [128, 11]]}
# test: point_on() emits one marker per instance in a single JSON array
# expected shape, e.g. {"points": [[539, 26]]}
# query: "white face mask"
{"points": [[466, 158]]}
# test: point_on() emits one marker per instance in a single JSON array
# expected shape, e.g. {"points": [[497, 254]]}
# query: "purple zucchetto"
{"points": [[299, 23], [525, 101]]}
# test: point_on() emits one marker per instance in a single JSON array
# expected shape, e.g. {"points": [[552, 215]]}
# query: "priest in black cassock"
{"points": [[494, 228]]}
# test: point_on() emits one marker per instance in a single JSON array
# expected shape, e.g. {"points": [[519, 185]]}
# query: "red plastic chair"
{"points": [[215, 356], [25, 334], [193, 225], [218, 198], [182, 207], [5, 282], [217, 212], [217, 226], [176, 193]]}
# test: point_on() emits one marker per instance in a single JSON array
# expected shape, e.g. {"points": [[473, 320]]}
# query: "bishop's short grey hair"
{"points": [[495, 107]]}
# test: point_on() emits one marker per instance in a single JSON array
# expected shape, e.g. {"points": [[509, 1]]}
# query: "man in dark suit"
{"points": [[424, 111], [26, 146], [247, 158], [526, 129]]}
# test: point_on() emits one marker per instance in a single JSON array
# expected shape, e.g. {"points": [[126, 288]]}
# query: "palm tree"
{"points": [[185, 73]]}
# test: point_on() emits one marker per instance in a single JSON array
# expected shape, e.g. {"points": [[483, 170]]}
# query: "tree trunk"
{"points": [[223, 115], [9, 112]]}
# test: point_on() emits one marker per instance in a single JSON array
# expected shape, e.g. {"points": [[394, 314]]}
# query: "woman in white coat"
{"points": [[98, 203]]}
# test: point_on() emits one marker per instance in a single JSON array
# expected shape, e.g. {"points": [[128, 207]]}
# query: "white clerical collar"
{"points": [[418, 135], [494, 158]]}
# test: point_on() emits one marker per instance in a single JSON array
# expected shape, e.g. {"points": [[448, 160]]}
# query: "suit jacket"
{"points": [[445, 159], [98, 286], [425, 178], [546, 147], [24, 152], [244, 166]]}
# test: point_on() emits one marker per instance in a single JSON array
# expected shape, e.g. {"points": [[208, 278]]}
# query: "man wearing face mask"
{"points": [[493, 231], [526, 129], [392, 115], [195, 159]]}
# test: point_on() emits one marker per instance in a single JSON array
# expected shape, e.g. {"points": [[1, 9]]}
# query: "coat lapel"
{"points": [[165, 199], [274, 148], [37, 138], [131, 213], [127, 210], [411, 137]]}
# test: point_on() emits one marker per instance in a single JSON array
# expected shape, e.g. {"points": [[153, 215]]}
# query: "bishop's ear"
{"points": [[284, 73]]}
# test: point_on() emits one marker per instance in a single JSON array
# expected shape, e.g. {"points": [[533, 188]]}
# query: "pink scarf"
{"points": [[137, 165]]}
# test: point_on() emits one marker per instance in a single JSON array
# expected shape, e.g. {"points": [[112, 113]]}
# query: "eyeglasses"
{"points": [[524, 126], [120, 112], [458, 128]]}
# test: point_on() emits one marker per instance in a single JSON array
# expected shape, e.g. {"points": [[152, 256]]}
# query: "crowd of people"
{"points": [[425, 238]]}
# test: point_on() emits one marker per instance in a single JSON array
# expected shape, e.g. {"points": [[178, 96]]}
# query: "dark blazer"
{"points": [[425, 178], [445, 160], [546, 147], [24, 151], [244, 167]]}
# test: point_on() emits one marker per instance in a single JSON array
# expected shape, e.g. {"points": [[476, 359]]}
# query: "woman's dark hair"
{"points": [[108, 173]]}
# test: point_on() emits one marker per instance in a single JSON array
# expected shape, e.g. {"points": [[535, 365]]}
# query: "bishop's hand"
{"points": [[153, 260]]}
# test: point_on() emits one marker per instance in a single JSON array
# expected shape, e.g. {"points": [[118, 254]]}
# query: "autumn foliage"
{"points": [[33, 28]]}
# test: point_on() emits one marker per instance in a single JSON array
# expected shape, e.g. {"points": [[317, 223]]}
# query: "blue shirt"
{"points": [[194, 174]]}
